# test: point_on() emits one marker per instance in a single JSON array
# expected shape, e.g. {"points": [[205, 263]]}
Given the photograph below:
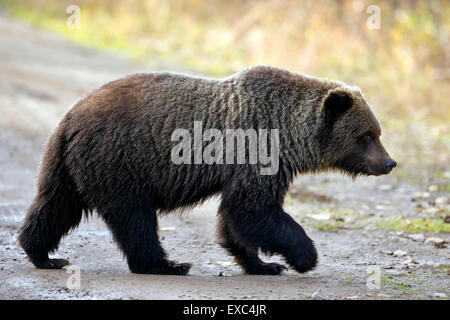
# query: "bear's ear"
{"points": [[336, 103]]}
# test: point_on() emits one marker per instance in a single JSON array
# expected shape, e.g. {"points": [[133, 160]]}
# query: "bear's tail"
{"points": [[56, 209]]}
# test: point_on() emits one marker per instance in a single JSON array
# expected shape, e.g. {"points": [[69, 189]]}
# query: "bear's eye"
{"points": [[368, 136]]}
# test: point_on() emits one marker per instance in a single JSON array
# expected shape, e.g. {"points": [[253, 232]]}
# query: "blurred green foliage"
{"points": [[403, 67]]}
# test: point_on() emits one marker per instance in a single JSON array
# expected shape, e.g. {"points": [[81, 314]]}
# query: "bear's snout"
{"points": [[382, 167], [389, 165]]}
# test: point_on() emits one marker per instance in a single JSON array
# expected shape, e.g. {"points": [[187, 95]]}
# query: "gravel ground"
{"points": [[42, 75]]}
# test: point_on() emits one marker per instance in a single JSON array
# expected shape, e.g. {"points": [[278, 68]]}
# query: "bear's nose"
{"points": [[390, 164]]}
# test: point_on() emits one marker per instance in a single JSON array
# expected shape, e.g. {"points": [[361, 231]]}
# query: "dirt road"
{"points": [[42, 75]]}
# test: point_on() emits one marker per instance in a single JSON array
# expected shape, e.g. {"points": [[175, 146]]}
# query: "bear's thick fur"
{"points": [[112, 153]]}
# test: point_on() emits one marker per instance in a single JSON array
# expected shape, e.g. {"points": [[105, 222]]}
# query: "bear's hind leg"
{"points": [[48, 220], [246, 257], [56, 209], [135, 231]]}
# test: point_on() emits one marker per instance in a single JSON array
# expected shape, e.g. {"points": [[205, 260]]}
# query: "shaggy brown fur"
{"points": [[111, 153]]}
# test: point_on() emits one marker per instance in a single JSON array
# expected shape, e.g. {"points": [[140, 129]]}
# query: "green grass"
{"points": [[389, 283], [445, 268], [414, 225], [328, 226], [340, 219], [349, 280]]}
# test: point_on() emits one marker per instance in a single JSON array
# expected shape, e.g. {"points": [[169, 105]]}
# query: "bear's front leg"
{"points": [[257, 224]]}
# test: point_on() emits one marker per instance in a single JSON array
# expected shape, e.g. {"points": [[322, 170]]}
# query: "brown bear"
{"points": [[113, 152]]}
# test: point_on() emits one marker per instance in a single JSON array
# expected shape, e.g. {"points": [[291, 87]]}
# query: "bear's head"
{"points": [[351, 134]]}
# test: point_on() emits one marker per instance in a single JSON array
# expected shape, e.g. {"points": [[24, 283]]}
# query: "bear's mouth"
{"points": [[379, 173], [371, 173]]}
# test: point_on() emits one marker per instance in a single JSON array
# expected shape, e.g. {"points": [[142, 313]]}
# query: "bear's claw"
{"points": [[266, 269], [52, 264], [166, 267]]}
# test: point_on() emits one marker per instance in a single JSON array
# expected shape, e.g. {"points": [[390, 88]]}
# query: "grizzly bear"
{"points": [[113, 153]]}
